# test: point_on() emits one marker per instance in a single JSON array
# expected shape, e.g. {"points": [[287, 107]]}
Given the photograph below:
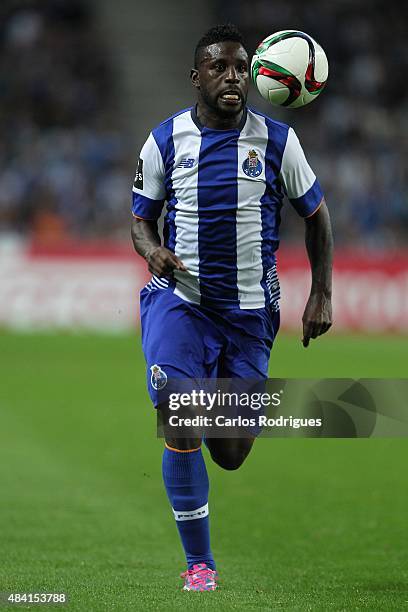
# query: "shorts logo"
{"points": [[252, 166], [158, 378], [138, 184]]}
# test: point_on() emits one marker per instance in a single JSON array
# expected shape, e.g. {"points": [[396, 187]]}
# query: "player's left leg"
{"points": [[250, 336]]}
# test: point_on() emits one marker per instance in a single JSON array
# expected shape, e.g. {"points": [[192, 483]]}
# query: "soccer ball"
{"points": [[289, 68]]}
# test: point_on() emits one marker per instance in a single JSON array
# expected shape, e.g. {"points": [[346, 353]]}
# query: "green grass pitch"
{"points": [[303, 525]]}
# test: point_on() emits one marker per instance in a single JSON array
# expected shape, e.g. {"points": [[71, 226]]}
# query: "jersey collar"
{"points": [[202, 127]]}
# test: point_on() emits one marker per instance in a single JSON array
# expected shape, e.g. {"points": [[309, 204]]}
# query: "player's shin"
{"points": [[186, 481]]}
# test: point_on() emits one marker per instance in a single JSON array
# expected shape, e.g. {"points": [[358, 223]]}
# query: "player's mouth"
{"points": [[231, 97]]}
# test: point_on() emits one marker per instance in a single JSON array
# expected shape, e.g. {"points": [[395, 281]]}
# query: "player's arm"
{"points": [[305, 194], [317, 317], [148, 198], [146, 240]]}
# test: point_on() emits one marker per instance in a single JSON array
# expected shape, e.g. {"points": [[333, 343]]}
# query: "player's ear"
{"points": [[194, 77]]}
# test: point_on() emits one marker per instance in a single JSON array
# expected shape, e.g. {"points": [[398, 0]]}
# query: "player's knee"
{"points": [[229, 454], [230, 460], [230, 464]]}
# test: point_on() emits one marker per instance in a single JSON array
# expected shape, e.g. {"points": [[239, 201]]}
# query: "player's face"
{"points": [[222, 78]]}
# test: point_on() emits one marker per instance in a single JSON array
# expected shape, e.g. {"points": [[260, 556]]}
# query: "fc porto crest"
{"points": [[252, 166], [158, 378]]}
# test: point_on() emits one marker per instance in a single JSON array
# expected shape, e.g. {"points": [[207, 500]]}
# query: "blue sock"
{"points": [[186, 481]]}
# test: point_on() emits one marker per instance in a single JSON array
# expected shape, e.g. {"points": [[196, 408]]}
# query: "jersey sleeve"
{"points": [[149, 193], [298, 179]]}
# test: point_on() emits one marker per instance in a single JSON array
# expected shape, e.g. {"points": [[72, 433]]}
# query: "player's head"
{"points": [[221, 71]]}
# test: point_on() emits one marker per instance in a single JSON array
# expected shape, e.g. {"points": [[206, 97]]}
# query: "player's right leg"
{"points": [[172, 337], [187, 485]]}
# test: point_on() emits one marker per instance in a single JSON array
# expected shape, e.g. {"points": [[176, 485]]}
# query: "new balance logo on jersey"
{"points": [[186, 162]]}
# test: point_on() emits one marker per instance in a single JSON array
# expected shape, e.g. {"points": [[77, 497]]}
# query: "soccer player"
{"points": [[211, 307]]}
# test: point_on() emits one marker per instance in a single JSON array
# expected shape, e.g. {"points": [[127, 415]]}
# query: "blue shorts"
{"points": [[184, 340]]}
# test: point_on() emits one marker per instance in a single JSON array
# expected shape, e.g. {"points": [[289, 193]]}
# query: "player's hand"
{"points": [[317, 318], [162, 262]]}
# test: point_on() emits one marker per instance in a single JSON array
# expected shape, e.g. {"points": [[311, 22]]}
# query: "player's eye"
{"points": [[219, 66], [243, 68]]}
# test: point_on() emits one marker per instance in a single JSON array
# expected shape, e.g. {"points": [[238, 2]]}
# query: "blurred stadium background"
{"points": [[81, 85]]}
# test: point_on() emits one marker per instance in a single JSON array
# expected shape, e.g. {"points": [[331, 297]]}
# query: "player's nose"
{"points": [[232, 75]]}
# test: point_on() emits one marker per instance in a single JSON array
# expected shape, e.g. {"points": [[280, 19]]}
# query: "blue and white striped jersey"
{"points": [[224, 191]]}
